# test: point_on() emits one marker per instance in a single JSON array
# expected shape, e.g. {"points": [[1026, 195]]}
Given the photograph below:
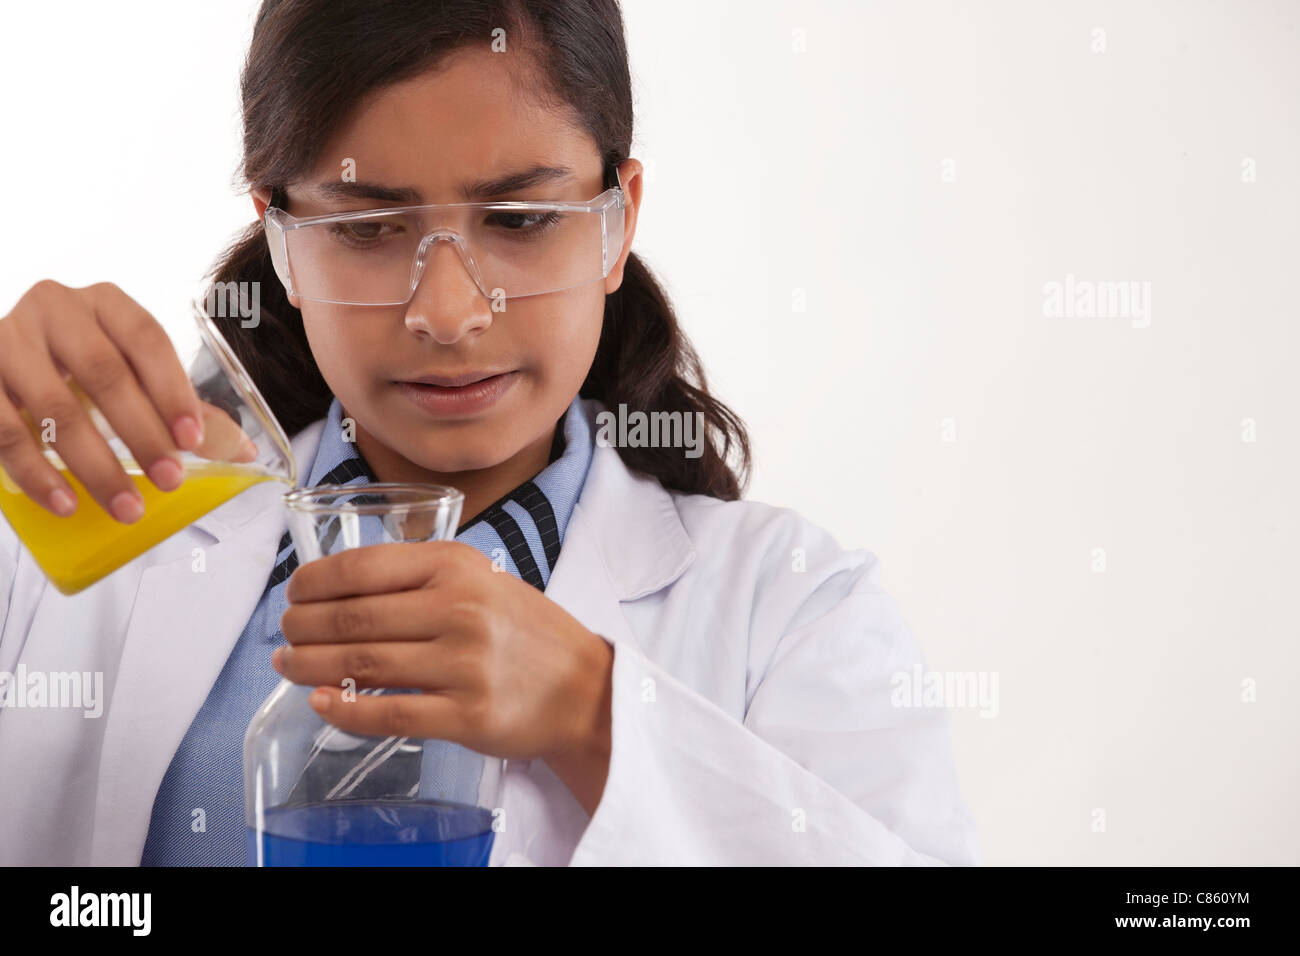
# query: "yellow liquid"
{"points": [[76, 551]]}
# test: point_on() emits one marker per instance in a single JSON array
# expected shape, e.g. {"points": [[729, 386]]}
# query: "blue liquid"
{"points": [[374, 833]]}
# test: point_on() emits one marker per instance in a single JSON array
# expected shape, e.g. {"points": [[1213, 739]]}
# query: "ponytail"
{"points": [[275, 351], [645, 362]]}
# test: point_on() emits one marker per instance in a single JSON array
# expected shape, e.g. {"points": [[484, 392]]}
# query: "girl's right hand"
{"points": [[123, 360]]}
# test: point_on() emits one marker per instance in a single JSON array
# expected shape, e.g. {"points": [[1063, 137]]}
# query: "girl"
{"points": [[675, 675]]}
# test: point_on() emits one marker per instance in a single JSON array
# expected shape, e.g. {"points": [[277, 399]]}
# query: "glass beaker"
{"points": [[242, 445], [317, 796]]}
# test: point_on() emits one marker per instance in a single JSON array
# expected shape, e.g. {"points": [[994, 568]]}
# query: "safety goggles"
{"points": [[510, 249]]}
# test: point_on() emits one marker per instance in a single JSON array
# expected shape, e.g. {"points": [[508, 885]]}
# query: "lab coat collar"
{"points": [[199, 588], [634, 522]]}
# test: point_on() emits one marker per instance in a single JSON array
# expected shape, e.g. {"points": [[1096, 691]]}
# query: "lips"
{"points": [[457, 396], [452, 381]]}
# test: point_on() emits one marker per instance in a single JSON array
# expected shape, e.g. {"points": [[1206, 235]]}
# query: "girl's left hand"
{"points": [[504, 670]]}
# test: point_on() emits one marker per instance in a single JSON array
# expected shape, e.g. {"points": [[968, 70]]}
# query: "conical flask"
{"points": [[317, 796]]}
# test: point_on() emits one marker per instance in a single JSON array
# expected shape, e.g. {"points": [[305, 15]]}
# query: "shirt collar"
{"points": [[338, 461]]}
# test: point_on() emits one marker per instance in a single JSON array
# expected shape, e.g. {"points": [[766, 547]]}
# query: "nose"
{"points": [[447, 304]]}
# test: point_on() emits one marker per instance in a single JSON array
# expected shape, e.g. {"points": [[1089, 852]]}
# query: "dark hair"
{"points": [[312, 61]]}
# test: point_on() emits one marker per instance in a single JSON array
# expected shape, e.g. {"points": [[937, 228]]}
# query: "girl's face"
{"points": [[467, 122]]}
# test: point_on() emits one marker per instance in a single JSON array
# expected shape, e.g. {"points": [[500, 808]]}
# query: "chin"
{"points": [[444, 465], [459, 446]]}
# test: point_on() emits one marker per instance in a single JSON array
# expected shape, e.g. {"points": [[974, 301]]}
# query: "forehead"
{"points": [[471, 117]]}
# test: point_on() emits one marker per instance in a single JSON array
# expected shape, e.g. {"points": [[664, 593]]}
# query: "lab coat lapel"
{"points": [[624, 541], [184, 624]]}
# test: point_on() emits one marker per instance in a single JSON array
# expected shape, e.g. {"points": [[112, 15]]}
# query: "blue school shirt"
{"points": [[522, 531]]}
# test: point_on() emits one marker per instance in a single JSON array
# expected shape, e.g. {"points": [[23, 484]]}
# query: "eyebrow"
{"points": [[473, 191]]}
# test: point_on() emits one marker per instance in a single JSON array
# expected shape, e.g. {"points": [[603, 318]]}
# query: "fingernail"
{"points": [[62, 502], [277, 656], [318, 700], [126, 507], [188, 432], [165, 473]]}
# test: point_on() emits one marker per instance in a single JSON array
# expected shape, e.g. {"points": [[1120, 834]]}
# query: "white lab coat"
{"points": [[752, 721]]}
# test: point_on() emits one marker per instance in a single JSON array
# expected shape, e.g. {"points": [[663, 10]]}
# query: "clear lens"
{"points": [[377, 258]]}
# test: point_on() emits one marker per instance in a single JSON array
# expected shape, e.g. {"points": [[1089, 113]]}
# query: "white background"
{"points": [[773, 170]]}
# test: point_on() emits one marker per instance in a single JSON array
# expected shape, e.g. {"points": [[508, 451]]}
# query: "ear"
{"points": [[630, 174], [261, 199]]}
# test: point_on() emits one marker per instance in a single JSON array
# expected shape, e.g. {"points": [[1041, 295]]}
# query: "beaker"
{"points": [[242, 445]]}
